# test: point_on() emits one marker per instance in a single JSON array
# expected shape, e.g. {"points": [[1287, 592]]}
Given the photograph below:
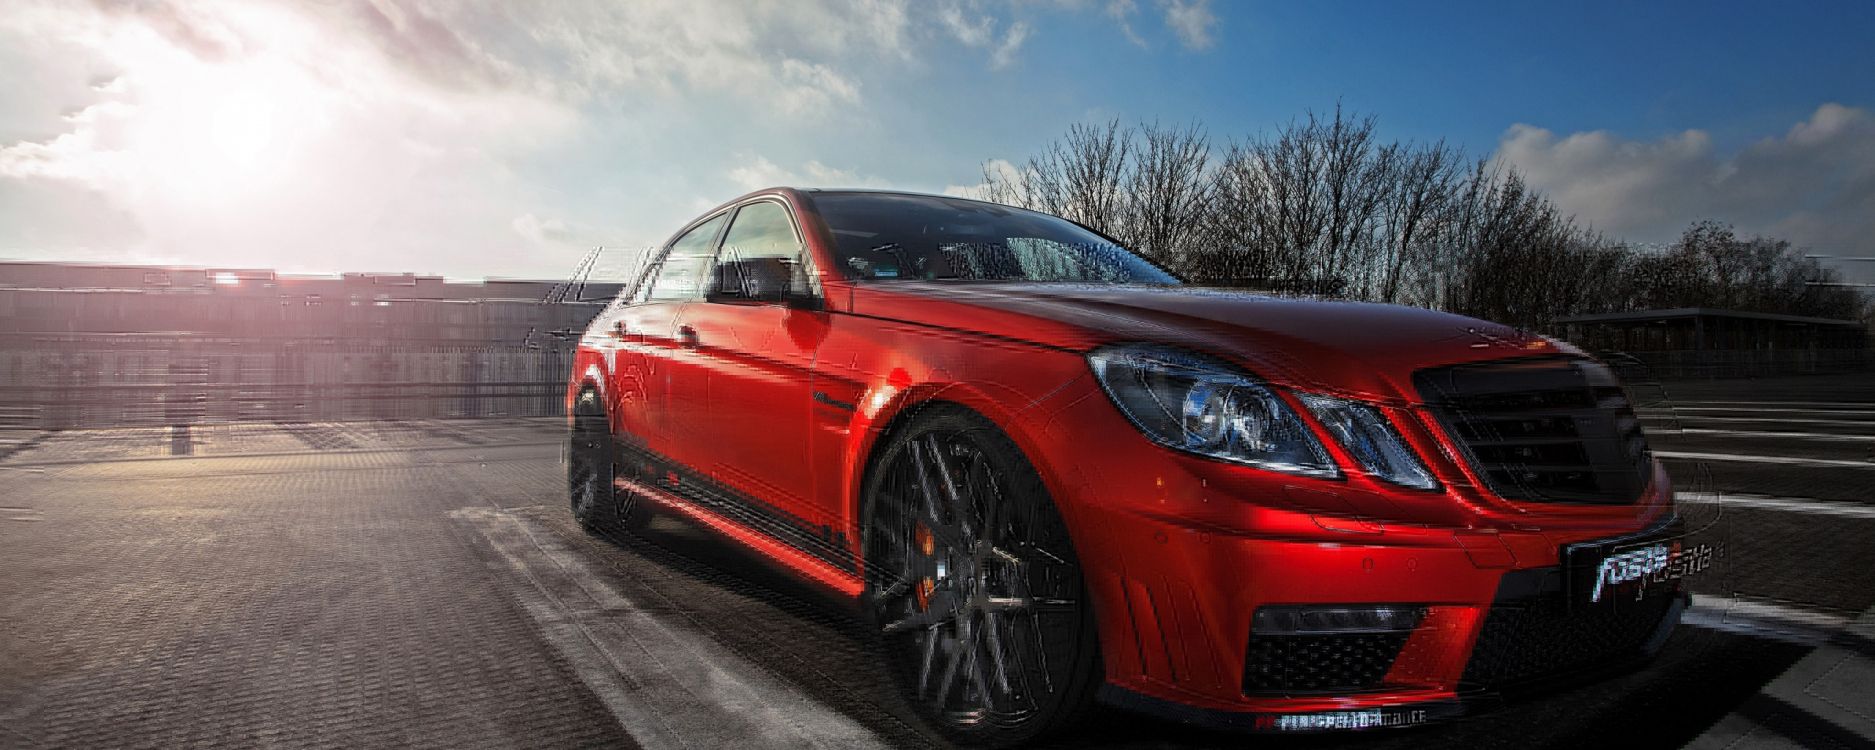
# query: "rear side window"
{"points": [[680, 276]]}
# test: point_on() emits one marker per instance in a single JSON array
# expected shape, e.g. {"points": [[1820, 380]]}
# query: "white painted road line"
{"points": [[1806, 506], [1780, 420], [1762, 410], [669, 684], [1821, 701], [1786, 460], [1764, 619], [1825, 404], [1769, 404], [1786, 435]]}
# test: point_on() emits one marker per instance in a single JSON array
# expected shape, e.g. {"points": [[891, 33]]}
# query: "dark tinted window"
{"points": [[891, 236]]}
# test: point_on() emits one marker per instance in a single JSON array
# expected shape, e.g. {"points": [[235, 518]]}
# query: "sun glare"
{"points": [[215, 131]]}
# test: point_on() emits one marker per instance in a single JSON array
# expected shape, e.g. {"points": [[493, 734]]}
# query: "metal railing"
{"points": [[98, 406]]}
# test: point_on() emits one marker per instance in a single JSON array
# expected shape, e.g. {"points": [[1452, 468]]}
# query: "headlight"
{"points": [[1371, 440], [1198, 404]]}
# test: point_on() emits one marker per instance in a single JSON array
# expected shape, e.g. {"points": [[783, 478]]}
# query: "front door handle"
{"points": [[687, 336], [618, 330]]}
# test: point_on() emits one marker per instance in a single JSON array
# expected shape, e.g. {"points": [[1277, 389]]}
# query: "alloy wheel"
{"points": [[974, 587]]}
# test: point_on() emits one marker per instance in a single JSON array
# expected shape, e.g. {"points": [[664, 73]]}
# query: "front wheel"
{"points": [[973, 585]]}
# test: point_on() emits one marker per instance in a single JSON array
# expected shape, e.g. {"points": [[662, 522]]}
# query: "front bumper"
{"points": [[1180, 552], [1187, 641]]}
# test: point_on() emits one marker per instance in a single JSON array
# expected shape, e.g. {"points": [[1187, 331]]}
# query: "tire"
{"points": [[591, 468], [977, 598]]}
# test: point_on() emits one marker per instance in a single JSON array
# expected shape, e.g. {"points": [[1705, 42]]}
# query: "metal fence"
{"points": [[80, 382], [88, 381], [1734, 363]]}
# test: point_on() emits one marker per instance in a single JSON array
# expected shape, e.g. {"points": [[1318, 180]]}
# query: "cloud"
{"points": [[540, 231], [1002, 169], [1814, 184], [457, 137], [758, 172], [970, 25], [278, 143], [1192, 21], [1122, 12], [811, 88], [788, 55], [1012, 42], [973, 29]]}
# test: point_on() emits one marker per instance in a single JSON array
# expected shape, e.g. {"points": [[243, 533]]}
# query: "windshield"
{"points": [[889, 236]]}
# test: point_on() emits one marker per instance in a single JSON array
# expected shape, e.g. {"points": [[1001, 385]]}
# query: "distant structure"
{"points": [[1696, 341], [107, 345], [255, 305]]}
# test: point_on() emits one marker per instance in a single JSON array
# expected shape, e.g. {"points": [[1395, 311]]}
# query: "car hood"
{"points": [[1351, 348]]}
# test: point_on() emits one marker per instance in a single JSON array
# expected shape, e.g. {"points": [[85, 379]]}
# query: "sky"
{"points": [[498, 139]]}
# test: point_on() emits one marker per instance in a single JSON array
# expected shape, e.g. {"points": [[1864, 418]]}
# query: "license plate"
{"points": [[1632, 568]]}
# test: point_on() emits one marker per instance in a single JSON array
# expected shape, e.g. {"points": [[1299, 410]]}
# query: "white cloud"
{"points": [[973, 29], [1002, 169], [811, 88], [759, 172], [1622, 186], [1192, 21], [1814, 185], [460, 137], [1005, 53], [969, 24], [1122, 13], [538, 230]]}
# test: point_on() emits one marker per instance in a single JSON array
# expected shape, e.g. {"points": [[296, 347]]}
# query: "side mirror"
{"points": [[762, 280]]}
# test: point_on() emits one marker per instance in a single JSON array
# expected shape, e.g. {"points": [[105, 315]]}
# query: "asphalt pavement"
{"points": [[420, 583]]}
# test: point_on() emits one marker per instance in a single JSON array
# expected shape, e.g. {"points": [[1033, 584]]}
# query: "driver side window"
{"points": [[761, 242], [680, 275], [761, 230]]}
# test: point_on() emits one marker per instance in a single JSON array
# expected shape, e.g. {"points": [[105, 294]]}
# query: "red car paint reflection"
{"points": [[783, 343]]}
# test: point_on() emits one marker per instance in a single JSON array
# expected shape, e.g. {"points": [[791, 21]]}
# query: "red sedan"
{"points": [[1053, 476]]}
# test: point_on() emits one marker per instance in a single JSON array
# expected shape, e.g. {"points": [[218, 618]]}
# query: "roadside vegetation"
{"points": [[1324, 205]]}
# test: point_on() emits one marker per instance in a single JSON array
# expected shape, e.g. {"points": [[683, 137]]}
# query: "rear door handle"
{"points": [[687, 336]]}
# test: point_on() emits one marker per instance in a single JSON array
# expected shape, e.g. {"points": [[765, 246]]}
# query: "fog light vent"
{"points": [[1335, 620], [1317, 650]]}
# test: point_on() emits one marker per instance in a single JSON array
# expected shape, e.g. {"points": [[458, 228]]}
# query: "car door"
{"points": [[741, 382], [644, 329]]}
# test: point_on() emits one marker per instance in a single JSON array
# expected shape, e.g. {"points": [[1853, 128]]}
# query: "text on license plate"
{"points": [[1654, 563]]}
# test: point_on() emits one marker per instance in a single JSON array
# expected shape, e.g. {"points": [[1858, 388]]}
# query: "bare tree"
{"points": [[1323, 205], [1167, 192], [1081, 177], [1412, 218]]}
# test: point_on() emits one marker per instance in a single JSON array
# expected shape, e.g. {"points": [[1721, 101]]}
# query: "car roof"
{"points": [[888, 191]]}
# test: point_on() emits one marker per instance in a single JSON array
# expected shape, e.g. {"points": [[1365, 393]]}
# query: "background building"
{"points": [[1710, 342], [118, 345], [92, 345]]}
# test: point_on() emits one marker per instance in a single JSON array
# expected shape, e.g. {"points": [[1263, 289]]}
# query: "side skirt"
{"points": [[820, 552]]}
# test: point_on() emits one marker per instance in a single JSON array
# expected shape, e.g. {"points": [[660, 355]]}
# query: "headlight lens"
{"points": [[1197, 404], [1371, 440]]}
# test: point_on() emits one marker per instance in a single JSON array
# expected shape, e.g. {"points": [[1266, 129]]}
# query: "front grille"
{"points": [[1532, 634], [1318, 664], [1543, 430]]}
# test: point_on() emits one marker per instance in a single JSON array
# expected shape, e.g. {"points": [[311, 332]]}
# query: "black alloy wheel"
{"points": [[974, 586]]}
